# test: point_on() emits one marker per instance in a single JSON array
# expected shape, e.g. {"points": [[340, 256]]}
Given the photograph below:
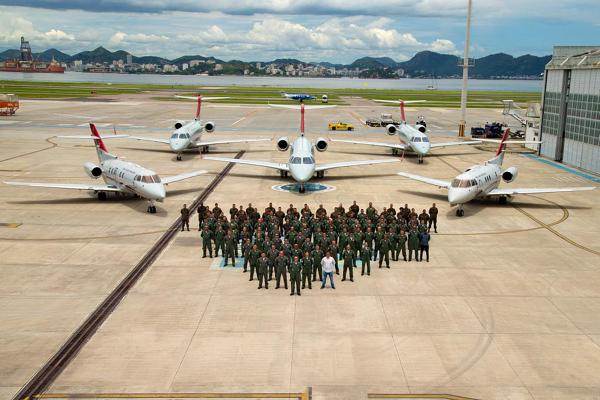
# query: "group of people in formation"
{"points": [[305, 245]]}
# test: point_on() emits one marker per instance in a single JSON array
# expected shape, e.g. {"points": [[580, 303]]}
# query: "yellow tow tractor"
{"points": [[340, 126]]}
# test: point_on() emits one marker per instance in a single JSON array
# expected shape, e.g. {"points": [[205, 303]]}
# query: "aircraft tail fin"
{"points": [[101, 149], [501, 147], [302, 119], [199, 107]]}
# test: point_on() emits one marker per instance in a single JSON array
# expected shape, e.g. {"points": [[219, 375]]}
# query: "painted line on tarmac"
{"points": [[53, 145], [355, 115], [306, 395], [10, 224], [418, 396]]}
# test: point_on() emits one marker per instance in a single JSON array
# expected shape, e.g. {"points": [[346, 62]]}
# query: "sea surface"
{"points": [[283, 82]]}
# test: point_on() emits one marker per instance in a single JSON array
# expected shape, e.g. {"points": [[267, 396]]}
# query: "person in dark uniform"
{"points": [[295, 271], [202, 209], [206, 242], [230, 245], [348, 257], [307, 269], [365, 256], [402, 244], [413, 244], [317, 255], [424, 238], [253, 256], [282, 263], [217, 211], [185, 218], [263, 270], [273, 253], [219, 241], [384, 251], [433, 213], [246, 248]]}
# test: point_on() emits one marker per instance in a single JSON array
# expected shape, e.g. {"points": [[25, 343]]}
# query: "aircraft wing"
{"points": [[297, 107], [176, 178], [508, 191], [323, 167], [399, 146], [150, 139], [424, 179], [458, 143], [73, 186], [228, 141], [267, 164]]}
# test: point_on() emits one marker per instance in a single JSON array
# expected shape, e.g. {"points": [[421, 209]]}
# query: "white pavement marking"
{"points": [[238, 121]]}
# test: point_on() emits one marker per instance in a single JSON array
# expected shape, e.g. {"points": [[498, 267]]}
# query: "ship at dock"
{"points": [[28, 64]]}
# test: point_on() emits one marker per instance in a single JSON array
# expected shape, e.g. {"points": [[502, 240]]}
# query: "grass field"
{"points": [[259, 95]]}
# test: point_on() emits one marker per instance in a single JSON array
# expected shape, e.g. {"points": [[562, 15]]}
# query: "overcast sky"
{"points": [[313, 30]]}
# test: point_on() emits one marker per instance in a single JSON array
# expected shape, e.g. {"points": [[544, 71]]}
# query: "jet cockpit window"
{"points": [[150, 179], [415, 139], [295, 160], [183, 136], [174, 136], [425, 139], [156, 178], [463, 183], [137, 178], [308, 160]]}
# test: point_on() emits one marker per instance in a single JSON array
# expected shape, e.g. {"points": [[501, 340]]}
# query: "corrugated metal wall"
{"points": [[550, 116]]}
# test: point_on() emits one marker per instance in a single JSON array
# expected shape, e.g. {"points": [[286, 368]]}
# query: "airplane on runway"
{"points": [[188, 134], [298, 96], [482, 180], [119, 176], [412, 138], [301, 164]]}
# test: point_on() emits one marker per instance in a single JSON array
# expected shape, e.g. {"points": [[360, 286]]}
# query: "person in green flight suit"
{"points": [[393, 236], [230, 245], [413, 244], [253, 256], [219, 242], [348, 257], [282, 263], [307, 269], [317, 255], [263, 270], [402, 244], [295, 272], [206, 242], [273, 253], [365, 256], [246, 248], [384, 251]]}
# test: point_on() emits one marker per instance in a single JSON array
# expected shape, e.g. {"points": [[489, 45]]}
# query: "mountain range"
{"points": [[422, 64]]}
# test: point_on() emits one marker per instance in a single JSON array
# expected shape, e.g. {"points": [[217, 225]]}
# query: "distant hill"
{"points": [[424, 64]]}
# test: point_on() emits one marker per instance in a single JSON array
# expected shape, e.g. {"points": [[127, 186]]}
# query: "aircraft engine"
{"points": [[421, 128], [510, 174], [321, 144], [92, 170], [179, 124], [283, 144], [209, 126], [391, 129]]}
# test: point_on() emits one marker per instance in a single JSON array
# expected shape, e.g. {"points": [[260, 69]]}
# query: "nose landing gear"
{"points": [[151, 207], [460, 212], [179, 157], [420, 159], [302, 189]]}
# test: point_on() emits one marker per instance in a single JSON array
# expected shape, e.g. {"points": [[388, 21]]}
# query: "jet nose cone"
{"points": [[457, 196], [302, 173], [156, 192], [422, 148], [177, 144]]}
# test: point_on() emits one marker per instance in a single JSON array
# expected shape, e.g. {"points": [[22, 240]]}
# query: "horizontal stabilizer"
{"points": [[203, 98], [92, 137]]}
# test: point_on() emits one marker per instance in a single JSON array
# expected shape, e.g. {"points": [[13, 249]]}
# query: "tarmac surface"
{"points": [[507, 308]]}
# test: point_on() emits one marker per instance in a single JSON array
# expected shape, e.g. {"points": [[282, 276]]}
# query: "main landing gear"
{"points": [[151, 207], [283, 174], [302, 189], [320, 174], [502, 200], [460, 212], [102, 196]]}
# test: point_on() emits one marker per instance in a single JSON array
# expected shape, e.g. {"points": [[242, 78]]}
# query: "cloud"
{"points": [[12, 27], [125, 38]]}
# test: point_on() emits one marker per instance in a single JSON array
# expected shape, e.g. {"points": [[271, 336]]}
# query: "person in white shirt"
{"points": [[328, 264]]}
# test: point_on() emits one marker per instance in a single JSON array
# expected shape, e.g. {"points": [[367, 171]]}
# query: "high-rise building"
{"points": [[570, 125]]}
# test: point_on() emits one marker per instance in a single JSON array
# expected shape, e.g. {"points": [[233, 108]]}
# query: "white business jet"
{"points": [[412, 138], [188, 134], [119, 176], [482, 180], [301, 164]]}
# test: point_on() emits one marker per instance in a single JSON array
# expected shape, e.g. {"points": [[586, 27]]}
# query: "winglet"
{"points": [[97, 139]]}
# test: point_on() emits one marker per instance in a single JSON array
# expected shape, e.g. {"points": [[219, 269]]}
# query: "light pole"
{"points": [[463, 96]]}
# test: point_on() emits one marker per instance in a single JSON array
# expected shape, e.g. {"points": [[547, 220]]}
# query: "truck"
{"points": [[492, 130], [384, 120], [9, 104]]}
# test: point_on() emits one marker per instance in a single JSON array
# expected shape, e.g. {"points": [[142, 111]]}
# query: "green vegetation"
{"points": [[260, 95]]}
